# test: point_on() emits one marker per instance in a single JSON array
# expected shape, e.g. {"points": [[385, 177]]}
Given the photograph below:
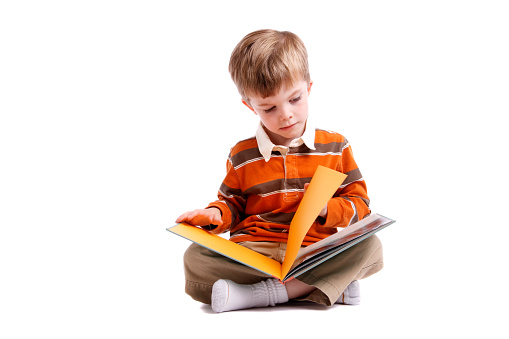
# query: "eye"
{"points": [[297, 99], [270, 109]]}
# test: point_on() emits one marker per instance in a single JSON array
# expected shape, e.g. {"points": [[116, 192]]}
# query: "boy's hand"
{"points": [[202, 217], [323, 213]]}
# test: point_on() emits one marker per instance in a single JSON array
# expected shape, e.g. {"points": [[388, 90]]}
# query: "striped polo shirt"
{"points": [[264, 185]]}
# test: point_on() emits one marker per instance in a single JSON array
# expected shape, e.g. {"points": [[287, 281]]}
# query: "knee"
{"points": [[370, 252], [373, 244], [372, 258], [196, 258], [375, 241], [376, 247], [376, 253], [192, 253]]}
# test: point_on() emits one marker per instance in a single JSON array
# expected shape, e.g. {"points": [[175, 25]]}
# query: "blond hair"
{"points": [[265, 60]]}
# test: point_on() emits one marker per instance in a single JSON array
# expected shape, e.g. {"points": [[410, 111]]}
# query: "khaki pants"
{"points": [[204, 267]]}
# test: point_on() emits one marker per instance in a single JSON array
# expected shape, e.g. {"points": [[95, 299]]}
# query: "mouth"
{"points": [[288, 127]]}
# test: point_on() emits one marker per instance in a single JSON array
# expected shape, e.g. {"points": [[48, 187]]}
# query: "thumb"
{"points": [[216, 220]]}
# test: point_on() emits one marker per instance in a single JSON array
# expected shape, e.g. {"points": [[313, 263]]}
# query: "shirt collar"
{"points": [[266, 146]]}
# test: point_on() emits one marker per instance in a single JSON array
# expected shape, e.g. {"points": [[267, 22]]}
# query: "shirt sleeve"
{"points": [[350, 202], [231, 201]]}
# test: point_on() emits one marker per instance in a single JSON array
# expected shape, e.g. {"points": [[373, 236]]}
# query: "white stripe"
{"points": [[230, 196], [259, 217], [346, 146], [354, 211], [280, 191], [322, 154], [343, 186], [296, 154], [254, 160], [280, 156], [248, 162]]}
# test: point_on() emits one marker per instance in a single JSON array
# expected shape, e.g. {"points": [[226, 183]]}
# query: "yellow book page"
{"points": [[229, 249], [322, 187]]}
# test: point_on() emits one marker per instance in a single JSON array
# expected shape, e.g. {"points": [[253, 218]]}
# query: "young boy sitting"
{"points": [[266, 178]]}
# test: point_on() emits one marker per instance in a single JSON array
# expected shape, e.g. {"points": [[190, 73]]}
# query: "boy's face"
{"points": [[284, 114]]}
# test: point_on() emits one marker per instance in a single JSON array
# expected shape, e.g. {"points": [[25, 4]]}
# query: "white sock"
{"points": [[352, 294], [230, 296]]}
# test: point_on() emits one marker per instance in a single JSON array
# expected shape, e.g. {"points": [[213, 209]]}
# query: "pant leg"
{"points": [[333, 276], [204, 267]]}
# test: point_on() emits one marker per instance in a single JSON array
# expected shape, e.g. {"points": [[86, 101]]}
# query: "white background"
{"points": [[117, 116]]}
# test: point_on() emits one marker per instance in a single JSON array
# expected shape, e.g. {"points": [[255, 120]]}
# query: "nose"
{"points": [[285, 113]]}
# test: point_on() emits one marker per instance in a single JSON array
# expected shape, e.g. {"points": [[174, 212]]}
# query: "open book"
{"points": [[297, 260]]}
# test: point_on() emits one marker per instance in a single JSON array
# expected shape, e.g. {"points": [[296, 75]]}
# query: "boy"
{"points": [[266, 178]]}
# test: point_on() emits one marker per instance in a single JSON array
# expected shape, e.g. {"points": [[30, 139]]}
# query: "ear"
{"points": [[248, 106], [309, 87]]}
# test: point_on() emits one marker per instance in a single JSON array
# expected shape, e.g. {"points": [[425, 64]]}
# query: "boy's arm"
{"points": [[350, 202], [231, 201]]}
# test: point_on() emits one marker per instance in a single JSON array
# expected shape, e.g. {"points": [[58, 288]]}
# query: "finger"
{"points": [[186, 217], [181, 218]]}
